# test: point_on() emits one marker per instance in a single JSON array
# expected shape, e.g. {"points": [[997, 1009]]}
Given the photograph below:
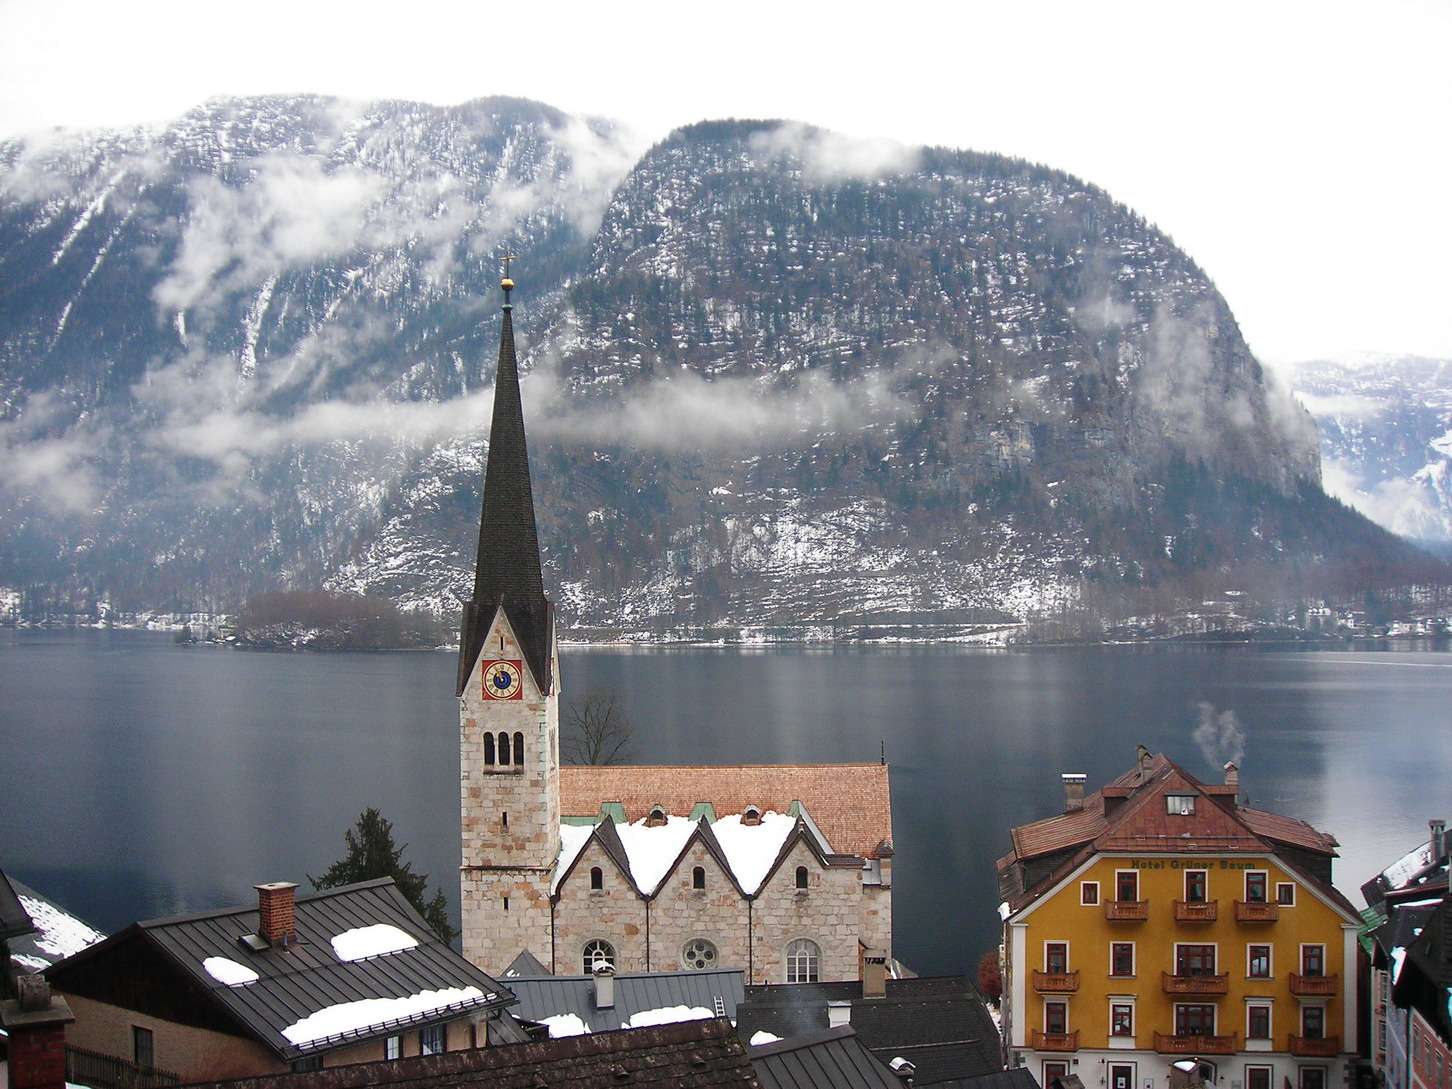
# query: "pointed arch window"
{"points": [[598, 952], [803, 961]]}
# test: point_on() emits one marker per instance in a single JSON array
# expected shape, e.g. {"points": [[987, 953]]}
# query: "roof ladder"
{"points": [[720, 1005]]}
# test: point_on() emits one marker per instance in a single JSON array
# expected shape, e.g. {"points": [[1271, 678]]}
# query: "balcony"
{"points": [[1313, 985], [1256, 911], [1056, 982], [1197, 911], [1126, 911], [1320, 1047], [1194, 1045], [1056, 1041], [1212, 985]]}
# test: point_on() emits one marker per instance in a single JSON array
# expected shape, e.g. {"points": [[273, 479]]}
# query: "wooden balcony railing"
{"points": [[1056, 982], [1197, 911], [1313, 985], [1056, 1041], [1196, 984], [1126, 911], [1194, 1045], [1320, 1047], [102, 1071], [1256, 911]]}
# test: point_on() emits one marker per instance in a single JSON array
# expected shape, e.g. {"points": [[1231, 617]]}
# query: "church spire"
{"points": [[507, 571]]}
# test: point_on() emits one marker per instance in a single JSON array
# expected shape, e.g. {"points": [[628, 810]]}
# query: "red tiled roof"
{"points": [[850, 803]]}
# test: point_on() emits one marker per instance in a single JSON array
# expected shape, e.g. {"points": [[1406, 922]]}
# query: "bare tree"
{"points": [[594, 728]]}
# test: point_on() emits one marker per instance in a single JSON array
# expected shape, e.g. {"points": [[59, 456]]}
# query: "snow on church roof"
{"points": [[651, 851]]}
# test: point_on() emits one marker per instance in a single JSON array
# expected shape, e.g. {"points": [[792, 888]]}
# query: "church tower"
{"points": [[508, 704]]}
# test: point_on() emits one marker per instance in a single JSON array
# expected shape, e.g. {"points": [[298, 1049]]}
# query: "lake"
{"points": [[143, 778]]}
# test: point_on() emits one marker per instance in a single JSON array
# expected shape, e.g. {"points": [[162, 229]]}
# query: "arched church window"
{"points": [[519, 749], [597, 877], [699, 955], [488, 748], [597, 952], [803, 961], [504, 749], [698, 877], [801, 877]]}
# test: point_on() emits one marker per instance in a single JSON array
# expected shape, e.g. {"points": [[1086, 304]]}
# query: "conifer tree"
{"points": [[371, 855]]}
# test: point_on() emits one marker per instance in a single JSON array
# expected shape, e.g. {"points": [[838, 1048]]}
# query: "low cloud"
{"points": [[829, 156], [46, 456], [1416, 508]]}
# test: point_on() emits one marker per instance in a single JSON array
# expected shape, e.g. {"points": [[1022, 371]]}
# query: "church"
{"points": [[784, 871]]}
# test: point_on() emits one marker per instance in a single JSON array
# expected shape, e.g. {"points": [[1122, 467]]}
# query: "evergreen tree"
{"points": [[371, 855]]}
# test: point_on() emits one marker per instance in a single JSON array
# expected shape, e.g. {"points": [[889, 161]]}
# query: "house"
{"points": [[292, 983], [833, 1058], [1411, 984], [687, 1055], [940, 1027], [52, 934], [782, 871], [1159, 921], [605, 1001]]}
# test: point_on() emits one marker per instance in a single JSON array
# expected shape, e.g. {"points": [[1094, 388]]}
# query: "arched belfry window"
{"points": [[803, 961], [519, 749], [489, 748], [504, 749]]}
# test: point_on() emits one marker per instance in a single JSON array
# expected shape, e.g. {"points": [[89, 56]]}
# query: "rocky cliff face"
{"points": [[774, 376]]}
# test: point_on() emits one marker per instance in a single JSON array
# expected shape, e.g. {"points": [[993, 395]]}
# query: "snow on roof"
{"points": [[1398, 956], [761, 1036], [1408, 866], [225, 970], [573, 838], [752, 848], [372, 1013], [60, 934], [666, 1015], [565, 1024], [372, 941], [652, 851]]}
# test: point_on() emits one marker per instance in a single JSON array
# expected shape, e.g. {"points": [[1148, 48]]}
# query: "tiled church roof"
{"points": [[849, 803]]}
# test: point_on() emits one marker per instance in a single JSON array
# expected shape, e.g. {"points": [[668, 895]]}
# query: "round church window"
{"points": [[698, 955]]}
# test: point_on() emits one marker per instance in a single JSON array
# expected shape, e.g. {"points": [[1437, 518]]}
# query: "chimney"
{"points": [[1437, 849], [1232, 775], [1145, 760], [37, 1024], [604, 986], [839, 1013], [277, 911], [874, 974], [1073, 792]]}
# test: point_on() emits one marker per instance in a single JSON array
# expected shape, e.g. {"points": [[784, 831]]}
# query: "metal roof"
{"points": [[830, 1059], [719, 992], [296, 980], [14, 919]]}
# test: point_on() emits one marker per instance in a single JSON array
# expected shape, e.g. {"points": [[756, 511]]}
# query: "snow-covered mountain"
{"points": [[774, 375], [1386, 439]]}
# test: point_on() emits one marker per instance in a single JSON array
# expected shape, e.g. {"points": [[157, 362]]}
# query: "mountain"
{"points": [[775, 376], [1386, 439]]}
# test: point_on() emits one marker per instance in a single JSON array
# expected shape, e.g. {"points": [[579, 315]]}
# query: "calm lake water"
{"points": [[141, 778]]}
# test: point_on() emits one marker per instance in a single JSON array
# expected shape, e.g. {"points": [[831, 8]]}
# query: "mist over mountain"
{"points": [[774, 376]]}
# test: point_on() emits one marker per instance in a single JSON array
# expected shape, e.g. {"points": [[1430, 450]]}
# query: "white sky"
{"points": [[1298, 149]]}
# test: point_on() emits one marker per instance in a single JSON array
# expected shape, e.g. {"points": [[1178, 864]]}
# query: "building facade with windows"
{"points": [[783, 871], [1157, 922]]}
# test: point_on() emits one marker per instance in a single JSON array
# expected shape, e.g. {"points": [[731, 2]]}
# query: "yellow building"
{"points": [[1157, 928]]}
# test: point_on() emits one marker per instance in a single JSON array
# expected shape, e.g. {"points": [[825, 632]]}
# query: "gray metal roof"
{"points": [[295, 981], [635, 993], [830, 1059], [13, 917]]}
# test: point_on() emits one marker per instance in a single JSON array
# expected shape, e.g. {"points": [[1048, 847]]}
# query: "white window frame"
{"points": [[1065, 944], [1180, 805], [1270, 959], [1286, 885], [1122, 1041], [1089, 889], [1270, 888], [1258, 1043], [1117, 875], [1133, 961], [802, 961]]}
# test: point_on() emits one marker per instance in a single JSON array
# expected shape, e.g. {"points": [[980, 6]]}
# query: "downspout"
{"points": [[553, 904], [750, 939], [647, 933]]}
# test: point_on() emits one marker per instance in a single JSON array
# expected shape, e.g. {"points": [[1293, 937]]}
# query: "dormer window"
{"points": [[1180, 805], [656, 817], [751, 815]]}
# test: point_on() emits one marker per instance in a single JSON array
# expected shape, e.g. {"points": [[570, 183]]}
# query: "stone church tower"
{"points": [[508, 704]]}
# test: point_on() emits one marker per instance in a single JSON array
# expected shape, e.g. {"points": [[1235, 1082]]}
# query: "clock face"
{"points": [[502, 680]]}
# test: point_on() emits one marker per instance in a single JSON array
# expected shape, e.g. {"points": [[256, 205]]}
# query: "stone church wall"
{"points": [[682, 913], [828, 912], [615, 913]]}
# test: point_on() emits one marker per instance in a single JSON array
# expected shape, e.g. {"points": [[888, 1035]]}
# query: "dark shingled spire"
{"points": [[507, 572]]}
